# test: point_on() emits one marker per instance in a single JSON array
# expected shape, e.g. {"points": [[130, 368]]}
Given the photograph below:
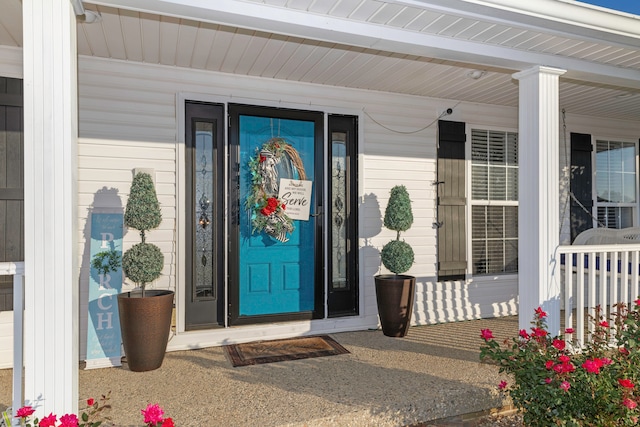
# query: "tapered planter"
{"points": [[395, 294], [145, 324]]}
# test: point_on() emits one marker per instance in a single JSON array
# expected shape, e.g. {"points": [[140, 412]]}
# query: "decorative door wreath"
{"points": [[267, 211]]}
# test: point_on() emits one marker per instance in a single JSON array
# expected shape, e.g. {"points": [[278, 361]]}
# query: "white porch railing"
{"points": [[16, 269], [596, 275]]}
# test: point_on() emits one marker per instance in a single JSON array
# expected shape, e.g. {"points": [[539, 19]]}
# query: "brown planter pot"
{"points": [[145, 324], [395, 295]]}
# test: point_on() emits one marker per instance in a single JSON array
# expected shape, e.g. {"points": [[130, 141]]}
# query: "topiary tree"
{"points": [[143, 262], [397, 255]]}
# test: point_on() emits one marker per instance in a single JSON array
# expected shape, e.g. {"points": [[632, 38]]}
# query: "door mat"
{"points": [[254, 353]]}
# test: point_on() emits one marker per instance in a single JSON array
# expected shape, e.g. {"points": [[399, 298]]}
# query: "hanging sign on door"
{"points": [[295, 194]]}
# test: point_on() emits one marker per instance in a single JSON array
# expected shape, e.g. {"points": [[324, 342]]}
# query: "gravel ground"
{"points": [[431, 374], [511, 420]]}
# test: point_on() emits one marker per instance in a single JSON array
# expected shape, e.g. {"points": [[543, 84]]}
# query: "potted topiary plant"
{"points": [[395, 292], [145, 315]]}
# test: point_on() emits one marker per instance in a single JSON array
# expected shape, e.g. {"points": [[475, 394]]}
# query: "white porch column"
{"points": [[50, 139], [538, 213]]}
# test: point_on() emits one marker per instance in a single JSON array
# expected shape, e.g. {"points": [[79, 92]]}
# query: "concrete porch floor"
{"points": [[432, 373]]}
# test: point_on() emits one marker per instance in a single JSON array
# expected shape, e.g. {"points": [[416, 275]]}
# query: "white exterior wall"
{"points": [[128, 120]]}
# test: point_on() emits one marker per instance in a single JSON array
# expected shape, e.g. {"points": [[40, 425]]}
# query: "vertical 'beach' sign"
{"points": [[103, 324]]}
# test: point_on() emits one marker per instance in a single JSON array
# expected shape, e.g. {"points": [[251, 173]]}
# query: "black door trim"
{"points": [[204, 312]]}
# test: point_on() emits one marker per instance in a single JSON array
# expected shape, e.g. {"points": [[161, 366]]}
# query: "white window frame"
{"points": [[469, 197], [594, 192]]}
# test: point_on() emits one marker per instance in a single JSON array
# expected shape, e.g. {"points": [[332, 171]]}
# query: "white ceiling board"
{"points": [[322, 6], [202, 45], [150, 33], [169, 32], [235, 51], [253, 50], [344, 8], [398, 51], [186, 43], [365, 10], [112, 31], [299, 4], [387, 12], [132, 34]]}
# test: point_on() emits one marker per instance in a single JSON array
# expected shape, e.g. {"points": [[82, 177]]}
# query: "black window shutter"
{"points": [[581, 183], [451, 202]]}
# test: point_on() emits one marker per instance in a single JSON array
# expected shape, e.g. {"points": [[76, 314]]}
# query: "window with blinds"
{"points": [[615, 183], [494, 201]]}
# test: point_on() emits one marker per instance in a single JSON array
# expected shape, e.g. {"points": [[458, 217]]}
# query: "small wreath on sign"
{"points": [[267, 211]]}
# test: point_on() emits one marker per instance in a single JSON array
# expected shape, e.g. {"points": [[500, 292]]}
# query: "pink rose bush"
{"points": [[91, 416], [553, 384], [154, 417]]}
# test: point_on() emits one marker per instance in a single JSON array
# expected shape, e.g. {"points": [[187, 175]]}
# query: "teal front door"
{"points": [[276, 237]]}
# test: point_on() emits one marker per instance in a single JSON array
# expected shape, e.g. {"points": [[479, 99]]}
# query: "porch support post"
{"points": [[50, 176], [538, 212]]}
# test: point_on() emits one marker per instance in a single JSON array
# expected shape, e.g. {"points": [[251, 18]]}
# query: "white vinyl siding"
{"points": [[494, 200], [128, 120]]}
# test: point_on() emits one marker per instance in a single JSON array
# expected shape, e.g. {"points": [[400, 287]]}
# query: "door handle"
{"points": [[316, 214]]}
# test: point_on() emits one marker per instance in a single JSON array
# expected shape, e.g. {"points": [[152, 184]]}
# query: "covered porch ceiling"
{"points": [[431, 48]]}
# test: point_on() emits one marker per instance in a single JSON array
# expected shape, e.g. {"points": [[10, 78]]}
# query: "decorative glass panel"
{"points": [[204, 215], [338, 211]]}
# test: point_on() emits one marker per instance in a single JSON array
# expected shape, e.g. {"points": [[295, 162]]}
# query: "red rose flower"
{"points": [[629, 403], [90, 401], [69, 420], [24, 412], [626, 383], [559, 344], [486, 334], [592, 365], [49, 421]]}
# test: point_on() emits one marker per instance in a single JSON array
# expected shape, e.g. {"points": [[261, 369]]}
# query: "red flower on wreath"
{"points": [[271, 206]]}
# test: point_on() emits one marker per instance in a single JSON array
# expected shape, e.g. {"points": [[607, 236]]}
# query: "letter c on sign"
{"points": [[101, 304]]}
